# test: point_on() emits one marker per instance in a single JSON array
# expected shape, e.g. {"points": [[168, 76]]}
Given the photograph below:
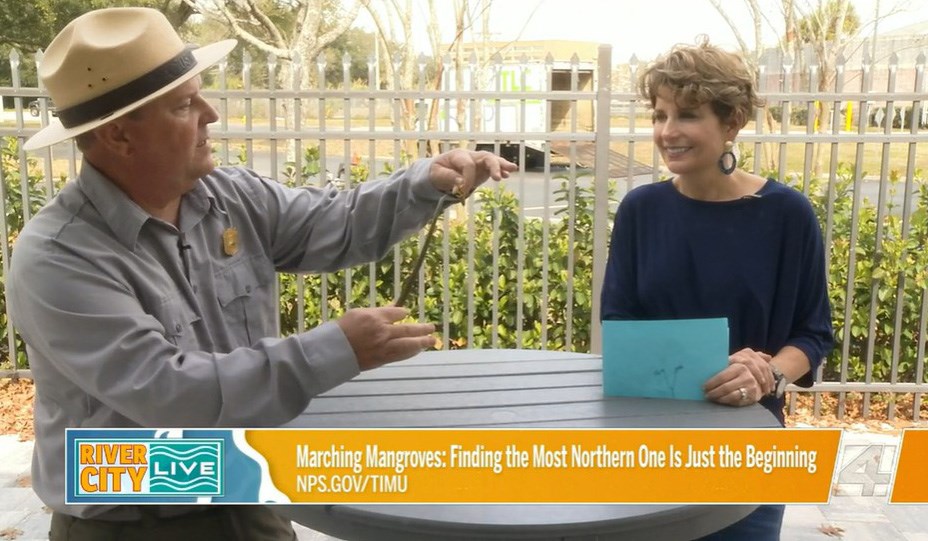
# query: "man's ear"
{"points": [[113, 136]]}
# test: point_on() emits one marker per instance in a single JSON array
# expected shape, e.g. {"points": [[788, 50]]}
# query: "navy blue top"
{"points": [[757, 261]]}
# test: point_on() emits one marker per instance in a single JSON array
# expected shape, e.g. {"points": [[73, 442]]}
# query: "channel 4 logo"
{"points": [[148, 467]]}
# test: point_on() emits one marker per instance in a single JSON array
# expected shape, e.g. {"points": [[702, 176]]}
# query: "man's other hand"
{"points": [[378, 338]]}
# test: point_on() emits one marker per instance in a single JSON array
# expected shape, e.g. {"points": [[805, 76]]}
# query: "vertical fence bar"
{"points": [[520, 238], [786, 107], [601, 191], [904, 237], [23, 164], [248, 116], [920, 356], [809, 157], [422, 115], [5, 254], [295, 157], [295, 150], [917, 112], [546, 203], [875, 281], [446, 222], [47, 160], [759, 115], [785, 118], [348, 162], [632, 122], [372, 163], [497, 62], [324, 176], [397, 104], [810, 168], [15, 60], [272, 112], [223, 109], [476, 118], [272, 166], [855, 226], [572, 206]]}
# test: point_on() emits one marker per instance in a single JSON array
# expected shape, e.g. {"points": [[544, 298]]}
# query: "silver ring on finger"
{"points": [[744, 394]]}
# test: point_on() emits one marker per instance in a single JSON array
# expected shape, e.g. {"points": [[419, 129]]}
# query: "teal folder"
{"points": [[663, 358]]}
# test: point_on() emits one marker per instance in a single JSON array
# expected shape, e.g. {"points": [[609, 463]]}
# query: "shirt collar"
{"points": [[124, 217], [196, 204]]}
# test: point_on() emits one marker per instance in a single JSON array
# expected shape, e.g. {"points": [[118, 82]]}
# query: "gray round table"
{"points": [[510, 388]]}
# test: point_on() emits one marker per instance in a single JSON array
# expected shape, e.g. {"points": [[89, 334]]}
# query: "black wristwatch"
{"points": [[779, 382]]}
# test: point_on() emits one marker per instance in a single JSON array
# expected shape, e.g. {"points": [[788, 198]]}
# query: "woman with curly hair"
{"points": [[717, 241]]}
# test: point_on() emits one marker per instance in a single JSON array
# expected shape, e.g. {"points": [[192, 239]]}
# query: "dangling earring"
{"points": [[728, 154]]}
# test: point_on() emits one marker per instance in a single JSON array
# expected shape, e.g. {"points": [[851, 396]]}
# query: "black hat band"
{"points": [[131, 92]]}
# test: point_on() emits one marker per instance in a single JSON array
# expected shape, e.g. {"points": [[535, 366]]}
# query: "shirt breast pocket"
{"points": [[243, 294]]}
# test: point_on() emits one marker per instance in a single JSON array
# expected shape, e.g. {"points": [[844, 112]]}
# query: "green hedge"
{"points": [[495, 280], [893, 275], [13, 215]]}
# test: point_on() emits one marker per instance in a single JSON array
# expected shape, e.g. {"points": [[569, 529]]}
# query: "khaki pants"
{"points": [[217, 523]]}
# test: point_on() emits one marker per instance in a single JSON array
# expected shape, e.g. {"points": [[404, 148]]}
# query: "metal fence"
{"points": [[575, 128]]}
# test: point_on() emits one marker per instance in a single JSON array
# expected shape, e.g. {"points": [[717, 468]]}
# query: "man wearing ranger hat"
{"points": [[144, 290]]}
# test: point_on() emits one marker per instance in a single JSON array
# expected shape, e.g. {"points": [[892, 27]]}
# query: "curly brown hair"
{"points": [[703, 73]]}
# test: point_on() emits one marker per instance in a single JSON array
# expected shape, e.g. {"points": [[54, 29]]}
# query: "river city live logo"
{"points": [[147, 467]]}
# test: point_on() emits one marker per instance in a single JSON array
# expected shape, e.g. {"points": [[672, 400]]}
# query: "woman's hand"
{"points": [[744, 381]]}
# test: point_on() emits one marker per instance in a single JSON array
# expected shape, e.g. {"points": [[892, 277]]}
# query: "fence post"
{"points": [[601, 189]]}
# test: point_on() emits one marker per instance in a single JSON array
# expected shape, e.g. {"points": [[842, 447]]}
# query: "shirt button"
{"points": [[247, 289], [177, 327]]}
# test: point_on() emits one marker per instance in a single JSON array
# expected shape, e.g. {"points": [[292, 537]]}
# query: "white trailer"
{"points": [[532, 118]]}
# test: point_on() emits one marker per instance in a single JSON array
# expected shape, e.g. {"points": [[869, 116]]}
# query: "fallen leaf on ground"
{"points": [[831, 530], [16, 399], [10, 533]]}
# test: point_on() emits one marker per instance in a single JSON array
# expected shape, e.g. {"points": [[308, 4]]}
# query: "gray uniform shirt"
{"points": [[131, 322]]}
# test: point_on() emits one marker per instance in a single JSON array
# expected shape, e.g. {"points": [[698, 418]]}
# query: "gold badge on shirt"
{"points": [[230, 241]]}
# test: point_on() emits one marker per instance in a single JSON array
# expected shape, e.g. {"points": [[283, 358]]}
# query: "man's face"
{"points": [[170, 139]]}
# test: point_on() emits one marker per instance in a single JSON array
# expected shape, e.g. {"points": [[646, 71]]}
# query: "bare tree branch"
{"points": [[222, 13], [731, 24], [342, 23], [255, 12], [176, 12]]}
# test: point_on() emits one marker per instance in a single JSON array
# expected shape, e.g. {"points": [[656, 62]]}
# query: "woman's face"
{"points": [[690, 140]]}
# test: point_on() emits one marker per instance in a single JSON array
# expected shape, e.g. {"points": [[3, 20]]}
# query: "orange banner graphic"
{"points": [[910, 484], [550, 466]]}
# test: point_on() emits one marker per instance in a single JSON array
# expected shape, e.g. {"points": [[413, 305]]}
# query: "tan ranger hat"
{"points": [[111, 61]]}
